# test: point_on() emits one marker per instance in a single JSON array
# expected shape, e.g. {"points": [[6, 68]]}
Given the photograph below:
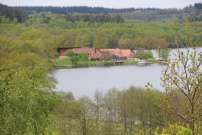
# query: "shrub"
{"points": [[175, 129], [77, 58], [144, 55]]}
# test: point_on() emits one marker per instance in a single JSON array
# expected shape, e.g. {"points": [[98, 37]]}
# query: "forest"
{"points": [[108, 30], [29, 105], [193, 12], [13, 14]]}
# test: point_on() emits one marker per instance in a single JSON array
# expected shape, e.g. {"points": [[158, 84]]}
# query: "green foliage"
{"points": [[63, 62], [144, 54], [26, 101], [175, 129], [11, 14], [164, 54], [76, 58], [182, 80], [64, 33], [116, 112], [97, 14], [126, 42]]}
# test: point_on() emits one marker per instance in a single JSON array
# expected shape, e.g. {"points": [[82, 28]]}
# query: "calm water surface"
{"points": [[85, 81]]}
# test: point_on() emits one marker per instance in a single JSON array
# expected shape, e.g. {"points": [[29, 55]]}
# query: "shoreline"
{"points": [[110, 65]]}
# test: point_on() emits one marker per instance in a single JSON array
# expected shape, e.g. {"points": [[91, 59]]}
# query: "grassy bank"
{"points": [[66, 63]]}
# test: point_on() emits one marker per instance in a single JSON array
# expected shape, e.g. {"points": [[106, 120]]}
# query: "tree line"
{"points": [[13, 14], [76, 31], [193, 12], [73, 9], [102, 18]]}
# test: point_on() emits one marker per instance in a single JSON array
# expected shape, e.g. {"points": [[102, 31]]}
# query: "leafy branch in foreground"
{"points": [[182, 79]]}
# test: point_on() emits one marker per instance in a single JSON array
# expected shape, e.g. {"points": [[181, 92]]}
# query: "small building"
{"points": [[100, 54]]}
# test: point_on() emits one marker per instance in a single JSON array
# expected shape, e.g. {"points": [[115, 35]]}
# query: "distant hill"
{"points": [[193, 12], [12, 13], [79, 9]]}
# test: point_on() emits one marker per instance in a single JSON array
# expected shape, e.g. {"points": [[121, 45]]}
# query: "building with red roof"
{"points": [[100, 54]]}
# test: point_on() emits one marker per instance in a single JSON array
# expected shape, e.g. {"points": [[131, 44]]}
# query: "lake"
{"points": [[85, 81]]}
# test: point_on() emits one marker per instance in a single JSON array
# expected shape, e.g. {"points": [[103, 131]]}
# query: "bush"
{"points": [[144, 55], [77, 58], [175, 129], [164, 54]]}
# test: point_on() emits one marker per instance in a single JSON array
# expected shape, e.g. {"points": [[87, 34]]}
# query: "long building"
{"points": [[100, 54]]}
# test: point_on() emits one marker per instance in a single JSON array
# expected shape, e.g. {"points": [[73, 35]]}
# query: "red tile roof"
{"points": [[120, 52], [101, 53]]}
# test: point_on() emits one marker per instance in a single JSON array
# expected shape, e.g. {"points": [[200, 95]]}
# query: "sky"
{"points": [[104, 3]]}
